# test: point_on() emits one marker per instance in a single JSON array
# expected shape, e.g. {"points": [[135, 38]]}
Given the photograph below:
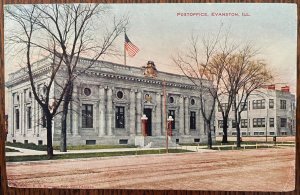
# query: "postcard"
{"points": [[151, 96]]}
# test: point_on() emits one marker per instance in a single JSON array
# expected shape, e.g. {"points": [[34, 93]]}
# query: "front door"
{"points": [[148, 113]]}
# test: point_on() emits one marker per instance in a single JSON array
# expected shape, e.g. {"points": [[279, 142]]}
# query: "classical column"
{"points": [[158, 114], [101, 112], [109, 112], [38, 117], [186, 116], [32, 113], [199, 122], [11, 115], [22, 114], [138, 112], [181, 116], [75, 112], [132, 113]]}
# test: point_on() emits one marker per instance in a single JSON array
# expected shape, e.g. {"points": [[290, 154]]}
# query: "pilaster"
{"points": [[109, 112], [138, 113], [158, 114], [132, 113], [181, 116], [101, 112], [75, 112], [186, 116]]}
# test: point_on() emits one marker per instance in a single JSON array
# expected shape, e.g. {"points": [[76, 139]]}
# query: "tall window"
{"points": [[283, 122], [172, 113], [233, 124], [258, 104], [87, 116], [120, 117], [29, 118], [259, 122], [244, 123], [271, 103], [193, 120], [271, 122], [17, 118], [283, 104]]}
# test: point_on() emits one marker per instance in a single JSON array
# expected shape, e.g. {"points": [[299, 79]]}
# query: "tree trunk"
{"points": [[225, 127], [238, 129], [63, 135], [49, 138], [66, 103], [209, 139], [238, 136]]}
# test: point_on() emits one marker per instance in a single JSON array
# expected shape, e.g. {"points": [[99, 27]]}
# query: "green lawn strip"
{"points": [[33, 146], [89, 147], [11, 150], [219, 143], [242, 148], [90, 155]]}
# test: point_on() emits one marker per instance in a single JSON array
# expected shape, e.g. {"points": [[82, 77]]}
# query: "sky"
{"points": [[160, 32]]}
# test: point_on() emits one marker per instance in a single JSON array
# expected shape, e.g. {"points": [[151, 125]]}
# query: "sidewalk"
{"points": [[28, 152]]}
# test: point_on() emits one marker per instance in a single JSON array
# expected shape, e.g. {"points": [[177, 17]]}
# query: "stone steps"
{"points": [[155, 142]]}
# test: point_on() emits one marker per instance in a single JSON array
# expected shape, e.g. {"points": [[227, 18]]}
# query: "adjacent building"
{"points": [[109, 100], [268, 112]]}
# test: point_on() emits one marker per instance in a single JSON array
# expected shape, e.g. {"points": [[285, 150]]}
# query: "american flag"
{"points": [[130, 47]]}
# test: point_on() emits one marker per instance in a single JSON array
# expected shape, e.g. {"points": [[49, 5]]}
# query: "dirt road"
{"points": [[250, 170]]}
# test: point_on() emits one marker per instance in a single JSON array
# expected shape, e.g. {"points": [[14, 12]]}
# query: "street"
{"points": [[250, 170]]}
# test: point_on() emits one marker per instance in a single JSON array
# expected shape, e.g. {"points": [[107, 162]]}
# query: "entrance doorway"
{"points": [[148, 113]]}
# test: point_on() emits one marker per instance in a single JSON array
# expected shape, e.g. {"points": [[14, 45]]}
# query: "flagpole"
{"points": [[124, 47]]}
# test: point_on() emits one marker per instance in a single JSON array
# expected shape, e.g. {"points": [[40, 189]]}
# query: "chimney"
{"points": [[285, 89]]}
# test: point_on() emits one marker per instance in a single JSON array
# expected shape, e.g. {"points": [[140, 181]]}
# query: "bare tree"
{"points": [[195, 65], [248, 74], [218, 64], [210, 64], [66, 32]]}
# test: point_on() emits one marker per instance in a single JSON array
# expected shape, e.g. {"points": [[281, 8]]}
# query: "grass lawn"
{"points": [[33, 146], [90, 155], [219, 143], [89, 147], [11, 150], [249, 147]]}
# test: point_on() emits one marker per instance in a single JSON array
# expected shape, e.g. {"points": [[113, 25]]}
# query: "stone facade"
{"points": [[108, 102], [274, 114]]}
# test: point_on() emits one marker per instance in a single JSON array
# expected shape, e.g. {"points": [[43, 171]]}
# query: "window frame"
{"points": [[271, 122], [120, 117], [17, 118], [29, 117], [283, 104], [271, 103], [172, 113], [259, 104], [192, 120], [244, 123], [259, 122], [285, 122], [89, 121], [233, 124]]}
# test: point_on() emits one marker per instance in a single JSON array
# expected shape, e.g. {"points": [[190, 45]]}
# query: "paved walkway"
{"points": [[28, 152]]}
